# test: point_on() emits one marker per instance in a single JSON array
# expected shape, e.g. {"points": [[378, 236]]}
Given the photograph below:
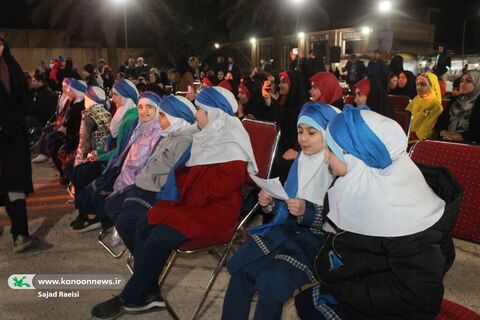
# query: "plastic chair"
{"points": [[453, 311], [463, 160], [399, 102], [404, 119], [264, 137]]}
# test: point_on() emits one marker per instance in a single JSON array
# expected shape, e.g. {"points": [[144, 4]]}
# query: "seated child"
{"points": [[389, 244], [123, 169], [210, 197], [277, 258], [125, 207]]}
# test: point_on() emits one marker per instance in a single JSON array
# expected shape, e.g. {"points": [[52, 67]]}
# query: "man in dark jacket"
{"points": [[44, 100], [443, 62], [355, 70], [377, 69], [15, 167]]}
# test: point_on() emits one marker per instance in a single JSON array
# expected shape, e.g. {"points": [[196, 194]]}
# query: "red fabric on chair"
{"points": [[399, 102], [404, 119], [453, 311], [463, 161], [261, 136]]}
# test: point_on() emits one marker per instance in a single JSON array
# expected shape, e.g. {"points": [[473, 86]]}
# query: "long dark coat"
{"points": [[15, 166]]}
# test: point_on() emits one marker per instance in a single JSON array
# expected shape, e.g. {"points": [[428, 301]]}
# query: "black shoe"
{"points": [[108, 310], [23, 243], [153, 301], [85, 224]]}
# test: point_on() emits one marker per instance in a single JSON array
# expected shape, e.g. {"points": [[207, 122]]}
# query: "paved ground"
{"points": [[64, 251]]}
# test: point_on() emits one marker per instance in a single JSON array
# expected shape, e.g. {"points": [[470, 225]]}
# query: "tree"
{"points": [[96, 19]]}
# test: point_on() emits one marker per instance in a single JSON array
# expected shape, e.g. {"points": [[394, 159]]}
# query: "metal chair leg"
{"points": [[129, 263], [212, 281], [101, 236], [163, 277]]}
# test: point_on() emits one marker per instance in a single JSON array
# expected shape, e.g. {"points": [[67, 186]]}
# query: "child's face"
{"points": [[360, 98], [338, 167], [71, 95], [146, 112], [242, 96], [202, 118], [315, 93], [466, 85], [422, 87], [310, 139], [117, 99], [163, 120]]}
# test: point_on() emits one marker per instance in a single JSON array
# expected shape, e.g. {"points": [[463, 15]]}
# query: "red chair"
{"points": [[452, 311], [349, 99], [404, 119], [399, 102], [264, 137], [463, 161]]}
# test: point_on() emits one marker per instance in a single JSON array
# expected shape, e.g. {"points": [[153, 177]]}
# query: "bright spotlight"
{"points": [[384, 6], [366, 30], [216, 45], [253, 40], [301, 35]]}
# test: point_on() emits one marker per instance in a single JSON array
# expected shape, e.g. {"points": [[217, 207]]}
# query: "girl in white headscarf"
{"points": [[389, 244]]}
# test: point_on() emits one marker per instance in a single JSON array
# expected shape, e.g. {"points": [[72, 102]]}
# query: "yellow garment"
{"points": [[426, 110]]}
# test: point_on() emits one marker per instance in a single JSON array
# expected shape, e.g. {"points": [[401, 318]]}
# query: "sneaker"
{"points": [[109, 309], [153, 301], [40, 158], [23, 243], [84, 224]]}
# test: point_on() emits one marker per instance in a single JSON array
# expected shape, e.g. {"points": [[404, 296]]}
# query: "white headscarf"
{"points": [[223, 132], [391, 202]]}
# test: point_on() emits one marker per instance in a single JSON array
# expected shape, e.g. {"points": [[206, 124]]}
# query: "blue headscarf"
{"points": [[317, 115], [152, 98], [96, 94], [217, 97], [350, 132], [176, 106], [78, 85], [126, 89]]}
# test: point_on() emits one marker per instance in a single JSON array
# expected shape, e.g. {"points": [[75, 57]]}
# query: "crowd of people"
{"points": [[163, 168]]}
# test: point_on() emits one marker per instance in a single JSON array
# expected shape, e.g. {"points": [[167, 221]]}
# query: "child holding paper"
{"points": [[277, 257]]}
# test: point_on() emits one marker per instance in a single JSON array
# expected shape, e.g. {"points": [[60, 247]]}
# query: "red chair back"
{"points": [[452, 311], [264, 139], [399, 102], [463, 161], [404, 119], [349, 99]]}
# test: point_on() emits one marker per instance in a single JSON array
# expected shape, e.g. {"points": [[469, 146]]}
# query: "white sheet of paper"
{"points": [[271, 186]]}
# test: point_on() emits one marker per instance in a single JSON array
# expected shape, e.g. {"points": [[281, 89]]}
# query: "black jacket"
{"points": [[473, 133], [399, 277], [15, 166]]}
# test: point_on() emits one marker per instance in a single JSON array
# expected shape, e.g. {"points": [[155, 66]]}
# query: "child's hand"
{"points": [[296, 207], [264, 199], [290, 154]]}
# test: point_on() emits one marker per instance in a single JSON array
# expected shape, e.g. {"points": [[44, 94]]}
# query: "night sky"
{"points": [[344, 13]]}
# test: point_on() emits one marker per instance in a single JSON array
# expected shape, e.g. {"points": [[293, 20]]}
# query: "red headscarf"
{"points": [[245, 90], [327, 83], [364, 86], [225, 84], [206, 82]]}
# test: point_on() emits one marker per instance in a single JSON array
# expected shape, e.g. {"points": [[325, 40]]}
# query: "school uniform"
{"points": [[277, 257]]}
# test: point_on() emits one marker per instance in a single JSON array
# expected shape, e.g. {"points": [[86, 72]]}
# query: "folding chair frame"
{"points": [[228, 246]]}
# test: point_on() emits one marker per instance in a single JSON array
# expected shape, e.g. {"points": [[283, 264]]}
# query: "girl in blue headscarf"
{"points": [[388, 245], [277, 258]]}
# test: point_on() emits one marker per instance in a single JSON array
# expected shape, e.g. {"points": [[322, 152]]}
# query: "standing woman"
{"points": [[15, 167], [292, 97], [426, 107]]}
